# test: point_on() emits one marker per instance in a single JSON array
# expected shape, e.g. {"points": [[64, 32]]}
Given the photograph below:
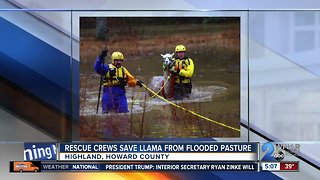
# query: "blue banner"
{"points": [[185, 166]]}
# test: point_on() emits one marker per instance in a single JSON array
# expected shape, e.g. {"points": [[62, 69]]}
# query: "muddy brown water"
{"points": [[216, 95]]}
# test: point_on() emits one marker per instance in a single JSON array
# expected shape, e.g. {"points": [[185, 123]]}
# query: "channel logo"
{"points": [[40, 151], [277, 152]]}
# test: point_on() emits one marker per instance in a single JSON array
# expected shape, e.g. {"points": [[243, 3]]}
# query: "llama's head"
{"points": [[167, 60]]}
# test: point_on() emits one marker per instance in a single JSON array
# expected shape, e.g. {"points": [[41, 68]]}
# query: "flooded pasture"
{"points": [[215, 97]]}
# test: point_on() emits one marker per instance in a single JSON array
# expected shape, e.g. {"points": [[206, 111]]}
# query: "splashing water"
{"points": [[199, 94]]}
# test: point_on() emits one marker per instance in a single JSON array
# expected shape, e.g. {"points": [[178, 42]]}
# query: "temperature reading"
{"points": [[288, 166]]}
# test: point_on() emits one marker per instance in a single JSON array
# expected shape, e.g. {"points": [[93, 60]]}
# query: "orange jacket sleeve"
{"points": [[132, 82]]}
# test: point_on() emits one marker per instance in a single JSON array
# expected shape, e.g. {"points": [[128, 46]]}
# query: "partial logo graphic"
{"points": [[25, 166], [277, 152], [40, 151]]}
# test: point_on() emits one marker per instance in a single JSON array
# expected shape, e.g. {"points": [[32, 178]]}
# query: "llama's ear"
{"points": [[162, 55], [172, 54]]}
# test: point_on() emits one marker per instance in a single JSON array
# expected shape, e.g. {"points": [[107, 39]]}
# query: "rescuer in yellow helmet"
{"points": [[115, 78], [182, 72]]}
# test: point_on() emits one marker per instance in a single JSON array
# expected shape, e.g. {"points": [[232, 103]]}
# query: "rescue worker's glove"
{"points": [[112, 72], [139, 83], [174, 71], [103, 54]]}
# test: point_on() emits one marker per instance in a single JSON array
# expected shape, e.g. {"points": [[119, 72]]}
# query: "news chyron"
{"points": [[141, 156]]}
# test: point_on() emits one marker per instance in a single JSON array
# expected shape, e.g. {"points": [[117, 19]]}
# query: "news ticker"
{"points": [[166, 152], [38, 166], [103, 166]]}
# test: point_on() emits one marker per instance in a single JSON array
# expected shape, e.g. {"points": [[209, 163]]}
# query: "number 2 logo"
{"points": [[268, 148]]}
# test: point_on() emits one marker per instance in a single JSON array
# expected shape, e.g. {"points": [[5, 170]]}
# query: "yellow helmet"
{"points": [[180, 48], [117, 55]]}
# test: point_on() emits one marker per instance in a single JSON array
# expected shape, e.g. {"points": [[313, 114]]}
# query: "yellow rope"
{"points": [[192, 112]]}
